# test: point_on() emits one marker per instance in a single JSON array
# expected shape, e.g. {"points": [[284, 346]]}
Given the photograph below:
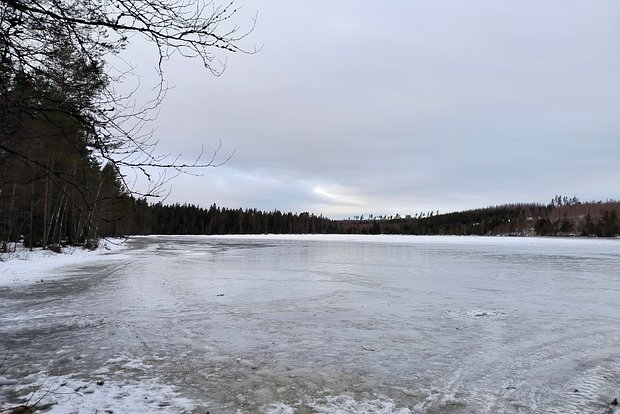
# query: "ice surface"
{"points": [[324, 324]]}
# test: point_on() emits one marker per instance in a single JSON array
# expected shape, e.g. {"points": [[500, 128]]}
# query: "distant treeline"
{"points": [[124, 215], [596, 219], [562, 217]]}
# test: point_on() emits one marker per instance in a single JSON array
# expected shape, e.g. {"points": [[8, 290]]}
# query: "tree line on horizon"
{"points": [[564, 218], [122, 215], [559, 218]]}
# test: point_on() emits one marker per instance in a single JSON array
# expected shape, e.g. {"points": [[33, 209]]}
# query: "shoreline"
{"points": [[26, 267]]}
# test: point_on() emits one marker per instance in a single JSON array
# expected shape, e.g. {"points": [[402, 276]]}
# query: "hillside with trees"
{"points": [[592, 219]]}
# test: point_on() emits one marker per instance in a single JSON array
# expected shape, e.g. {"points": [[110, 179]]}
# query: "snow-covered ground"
{"points": [[315, 324], [25, 266], [64, 394]]}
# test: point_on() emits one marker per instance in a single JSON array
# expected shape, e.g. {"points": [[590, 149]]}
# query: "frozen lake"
{"points": [[325, 324]]}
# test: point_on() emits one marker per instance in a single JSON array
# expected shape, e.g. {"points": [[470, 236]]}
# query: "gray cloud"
{"points": [[403, 106]]}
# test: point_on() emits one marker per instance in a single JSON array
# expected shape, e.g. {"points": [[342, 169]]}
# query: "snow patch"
{"points": [[344, 404], [67, 395], [477, 313], [340, 404], [279, 408], [25, 267]]}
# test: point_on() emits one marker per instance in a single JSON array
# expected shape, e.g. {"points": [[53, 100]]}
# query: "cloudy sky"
{"points": [[367, 107]]}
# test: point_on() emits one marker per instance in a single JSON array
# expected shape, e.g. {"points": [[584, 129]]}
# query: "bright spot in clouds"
{"points": [[319, 190]]}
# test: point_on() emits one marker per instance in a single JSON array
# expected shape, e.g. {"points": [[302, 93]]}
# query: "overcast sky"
{"points": [[370, 107]]}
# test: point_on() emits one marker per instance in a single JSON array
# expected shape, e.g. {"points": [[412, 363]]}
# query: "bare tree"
{"points": [[54, 71], [31, 30]]}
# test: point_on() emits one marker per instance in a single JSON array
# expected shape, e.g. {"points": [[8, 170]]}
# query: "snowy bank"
{"points": [[59, 394], [26, 266]]}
